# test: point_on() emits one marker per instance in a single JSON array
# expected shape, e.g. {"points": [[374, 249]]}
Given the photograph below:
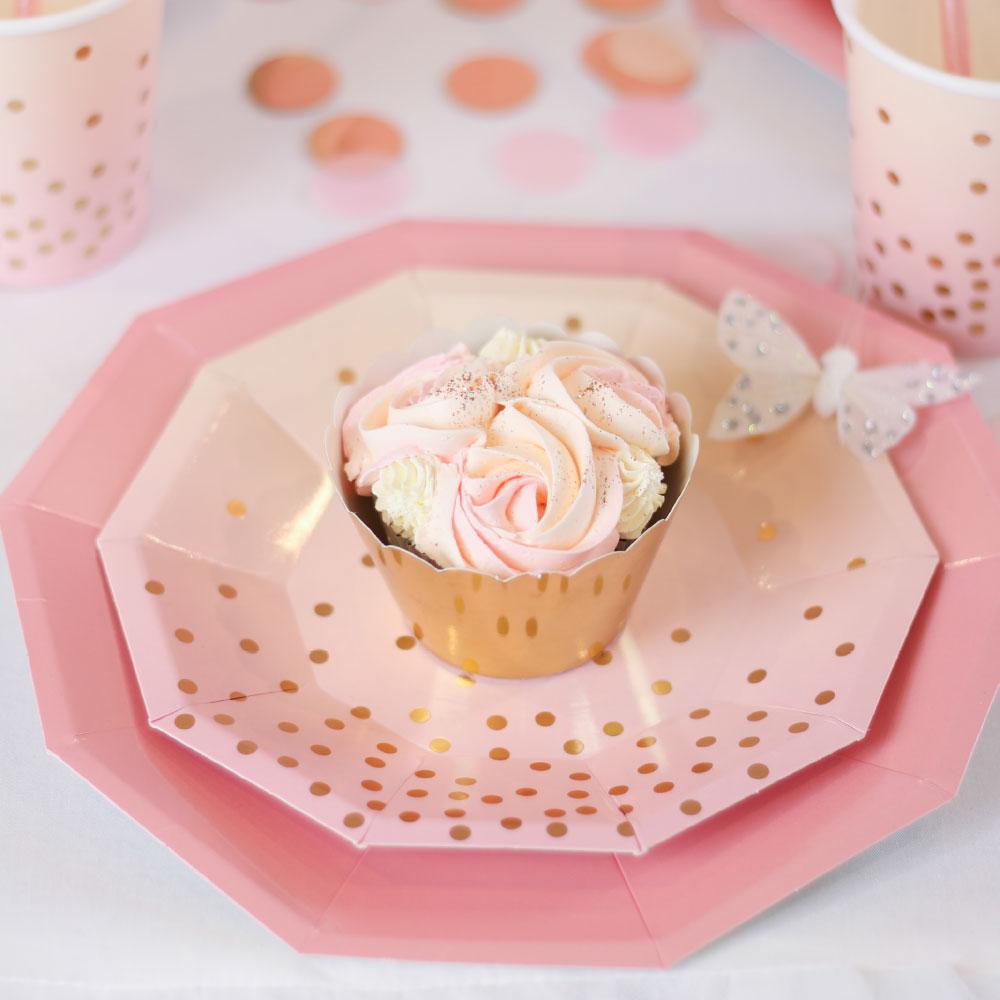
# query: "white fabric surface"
{"points": [[90, 905]]}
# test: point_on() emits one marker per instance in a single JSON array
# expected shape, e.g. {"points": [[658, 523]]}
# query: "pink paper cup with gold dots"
{"points": [[926, 164], [76, 99]]}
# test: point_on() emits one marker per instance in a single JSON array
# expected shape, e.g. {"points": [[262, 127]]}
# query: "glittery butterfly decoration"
{"points": [[780, 377]]}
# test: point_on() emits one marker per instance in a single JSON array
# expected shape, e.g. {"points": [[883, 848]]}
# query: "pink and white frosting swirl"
{"points": [[511, 466]]}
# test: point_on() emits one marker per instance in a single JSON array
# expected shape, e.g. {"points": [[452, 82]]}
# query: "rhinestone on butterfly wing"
{"points": [[778, 372]]}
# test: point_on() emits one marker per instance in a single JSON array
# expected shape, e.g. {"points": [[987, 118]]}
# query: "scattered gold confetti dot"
{"points": [[555, 813], [503, 625], [246, 747], [183, 635], [824, 697], [845, 649], [319, 788], [406, 642], [439, 745], [288, 727], [556, 829], [647, 768], [690, 807], [545, 718], [237, 508], [531, 628], [540, 765], [756, 676], [663, 786], [324, 609], [288, 761], [320, 749], [857, 562], [680, 635], [375, 805], [700, 713], [757, 715], [573, 746], [618, 790], [662, 687], [224, 720], [510, 822], [492, 800], [187, 686], [603, 658], [249, 646], [798, 727], [812, 613], [371, 785], [366, 560], [460, 832], [884, 116], [705, 741], [496, 722], [319, 655], [626, 829], [527, 791], [420, 715], [758, 770], [352, 820], [374, 762], [333, 723], [425, 773], [387, 747], [361, 712], [981, 139], [417, 793], [499, 753], [155, 587], [613, 728], [184, 721], [749, 741], [289, 687], [965, 238], [346, 376], [465, 780], [646, 741], [409, 816]]}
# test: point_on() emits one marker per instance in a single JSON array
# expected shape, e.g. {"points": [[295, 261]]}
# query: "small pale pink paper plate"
{"points": [[323, 895], [264, 640]]}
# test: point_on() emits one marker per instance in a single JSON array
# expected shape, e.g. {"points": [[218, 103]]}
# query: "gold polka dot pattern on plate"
{"points": [[409, 816], [236, 508], [663, 786], [417, 793], [573, 747], [503, 625], [646, 741], [367, 560], [353, 820], [556, 829], [680, 635], [369, 784], [155, 587], [420, 714], [406, 642], [758, 771], [798, 727], [389, 748], [246, 747], [661, 687], [319, 788], [288, 761], [825, 697], [757, 715], [541, 765], [249, 646], [626, 829], [705, 741], [439, 745], [187, 686], [526, 791], [857, 562], [361, 712], [223, 719], [613, 728], [320, 749], [289, 687], [375, 805], [756, 676], [183, 635], [458, 796], [618, 790], [374, 762], [531, 628], [319, 655], [812, 613], [492, 800], [700, 713], [510, 822], [496, 722], [648, 768], [749, 741], [845, 649], [288, 727], [690, 807], [499, 753], [460, 832], [333, 724], [545, 718], [324, 609], [184, 721]]}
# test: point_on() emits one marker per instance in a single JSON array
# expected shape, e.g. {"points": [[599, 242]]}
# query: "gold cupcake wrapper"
{"points": [[529, 625]]}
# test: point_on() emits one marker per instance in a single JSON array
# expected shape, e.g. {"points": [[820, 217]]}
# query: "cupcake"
{"points": [[504, 473]]}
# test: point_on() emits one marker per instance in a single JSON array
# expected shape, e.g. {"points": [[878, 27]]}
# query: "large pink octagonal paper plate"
{"points": [[264, 640], [322, 894]]}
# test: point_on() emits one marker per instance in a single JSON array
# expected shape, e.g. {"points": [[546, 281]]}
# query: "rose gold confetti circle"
{"points": [[640, 60], [348, 137], [492, 83], [291, 82]]}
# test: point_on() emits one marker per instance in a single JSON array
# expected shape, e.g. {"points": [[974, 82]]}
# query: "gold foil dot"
{"points": [[387, 747], [464, 680], [586, 810], [288, 761], [510, 822], [892, 177], [376, 805], [81, 204], [603, 658], [409, 816], [29, 164], [579, 776], [613, 728], [936, 262], [663, 786], [289, 687], [798, 727], [366, 560], [758, 770], [573, 747], [974, 265], [749, 741], [11, 234], [155, 587], [977, 329], [465, 781], [756, 676], [187, 686], [573, 324], [578, 793], [556, 829], [981, 139], [813, 612], [417, 793], [905, 244], [458, 796], [7, 199], [346, 376], [766, 531], [249, 646], [319, 788], [184, 721], [531, 628], [36, 225], [705, 741], [540, 765], [496, 722], [454, 813], [965, 238], [503, 626], [857, 562], [374, 762], [477, 583], [425, 773], [224, 720], [527, 791], [757, 715], [876, 207], [898, 290], [700, 713], [439, 745], [884, 116], [56, 187], [333, 724], [492, 800], [545, 718], [824, 697], [93, 120], [555, 813], [661, 687], [361, 712], [288, 727], [15, 106], [845, 649], [977, 305], [183, 635], [943, 290], [319, 655], [626, 583], [543, 583], [371, 785], [981, 285], [320, 749], [420, 714], [83, 52], [460, 833], [499, 753], [680, 635], [949, 313], [645, 741], [98, 170], [618, 790], [143, 60], [237, 696], [626, 829], [45, 249], [324, 609], [979, 187], [647, 768], [246, 747], [237, 508], [352, 820]]}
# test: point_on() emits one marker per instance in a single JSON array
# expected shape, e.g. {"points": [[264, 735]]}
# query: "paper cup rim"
{"points": [[19, 27], [846, 11]]}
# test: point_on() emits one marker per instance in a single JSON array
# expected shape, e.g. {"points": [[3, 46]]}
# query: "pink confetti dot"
{"points": [[362, 185], [654, 126], [543, 161]]}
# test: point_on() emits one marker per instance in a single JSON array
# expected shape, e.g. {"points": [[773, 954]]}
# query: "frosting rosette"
{"points": [[535, 455]]}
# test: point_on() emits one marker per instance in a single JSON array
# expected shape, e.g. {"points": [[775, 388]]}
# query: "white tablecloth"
{"points": [[90, 904]]}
